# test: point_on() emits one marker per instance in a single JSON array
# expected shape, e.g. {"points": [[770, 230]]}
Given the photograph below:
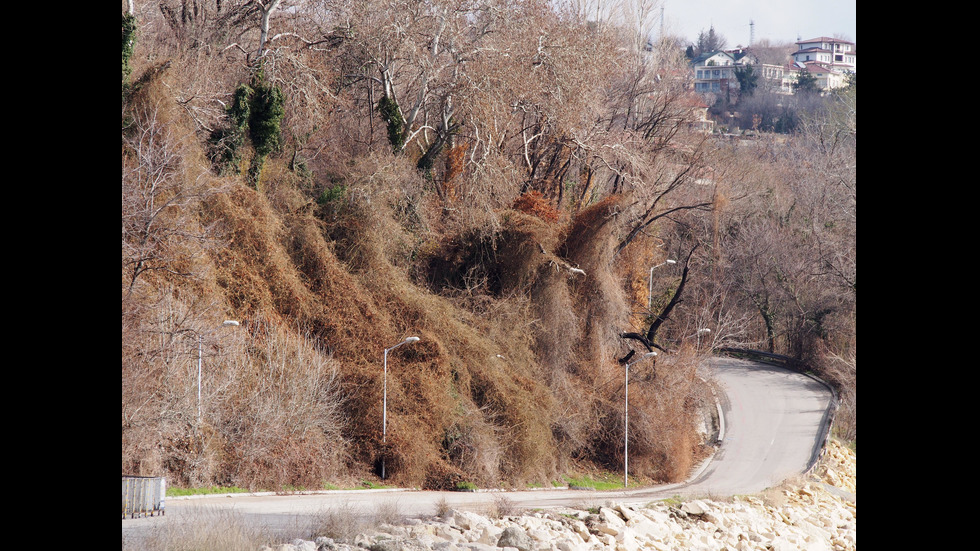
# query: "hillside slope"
{"points": [[514, 383], [527, 191]]}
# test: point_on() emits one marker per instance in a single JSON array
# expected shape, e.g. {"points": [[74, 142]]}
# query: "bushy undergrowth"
{"points": [[519, 311], [499, 388]]}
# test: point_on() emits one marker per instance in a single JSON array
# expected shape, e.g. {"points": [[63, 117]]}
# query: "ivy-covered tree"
{"points": [[128, 41], [265, 118], [393, 118], [256, 112]]}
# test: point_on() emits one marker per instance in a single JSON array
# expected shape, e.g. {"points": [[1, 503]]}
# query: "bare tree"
{"points": [[160, 193], [266, 8]]}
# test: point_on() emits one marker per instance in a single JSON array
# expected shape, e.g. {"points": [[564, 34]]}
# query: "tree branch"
{"points": [[674, 301]]}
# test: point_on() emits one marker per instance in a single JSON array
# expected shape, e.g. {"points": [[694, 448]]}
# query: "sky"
{"points": [[777, 20]]}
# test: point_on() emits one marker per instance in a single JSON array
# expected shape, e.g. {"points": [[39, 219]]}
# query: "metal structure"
{"points": [[143, 495], [384, 406]]}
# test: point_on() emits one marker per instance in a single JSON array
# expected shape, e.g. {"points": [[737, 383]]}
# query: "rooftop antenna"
{"points": [[661, 21], [751, 32]]}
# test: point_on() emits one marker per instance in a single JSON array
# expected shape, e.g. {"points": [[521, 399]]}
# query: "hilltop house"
{"points": [[827, 78], [838, 55], [713, 72]]}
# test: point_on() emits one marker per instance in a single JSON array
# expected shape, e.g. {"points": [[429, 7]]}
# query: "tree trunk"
{"points": [[267, 10]]}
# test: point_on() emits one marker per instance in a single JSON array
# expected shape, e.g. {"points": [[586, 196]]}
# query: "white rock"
{"points": [[489, 534], [581, 529], [609, 516], [605, 529], [541, 534], [647, 529], [448, 533], [469, 521], [694, 507], [625, 512], [781, 543]]}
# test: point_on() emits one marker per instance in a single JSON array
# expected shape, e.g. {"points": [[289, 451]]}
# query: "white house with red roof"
{"points": [[827, 77], [835, 53], [830, 60]]}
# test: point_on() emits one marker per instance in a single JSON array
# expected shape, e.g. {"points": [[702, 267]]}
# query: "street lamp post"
{"points": [[384, 406], [703, 331], [626, 429], [650, 291], [200, 349]]}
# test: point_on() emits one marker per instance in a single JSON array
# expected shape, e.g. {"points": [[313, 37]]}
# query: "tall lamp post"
{"points": [[200, 349], [384, 406], [650, 290], [626, 430], [703, 331]]}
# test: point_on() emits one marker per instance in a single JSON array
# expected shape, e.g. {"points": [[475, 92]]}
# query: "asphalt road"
{"points": [[774, 424]]}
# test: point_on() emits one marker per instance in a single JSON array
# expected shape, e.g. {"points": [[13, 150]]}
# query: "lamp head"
{"points": [[411, 339]]}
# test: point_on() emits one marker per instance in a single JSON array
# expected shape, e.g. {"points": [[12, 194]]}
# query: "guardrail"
{"points": [[780, 359], [143, 495]]}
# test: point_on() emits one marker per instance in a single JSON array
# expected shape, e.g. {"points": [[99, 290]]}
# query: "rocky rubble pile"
{"points": [[815, 514]]}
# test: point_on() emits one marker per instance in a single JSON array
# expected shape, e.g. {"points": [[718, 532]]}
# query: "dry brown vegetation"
{"points": [[519, 255]]}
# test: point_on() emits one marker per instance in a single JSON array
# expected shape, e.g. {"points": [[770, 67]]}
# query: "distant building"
{"points": [[713, 72], [770, 75], [827, 77], [840, 56], [828, 59], [699, 109]]}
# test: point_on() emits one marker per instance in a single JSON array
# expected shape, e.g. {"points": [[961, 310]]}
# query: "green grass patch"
{"points": [[607, 481], [465, 486], [209, 490], [371, 485]]}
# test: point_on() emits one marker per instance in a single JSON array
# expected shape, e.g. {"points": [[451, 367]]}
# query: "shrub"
{"points": [[533, 202], [341, 523], [502, 506]]}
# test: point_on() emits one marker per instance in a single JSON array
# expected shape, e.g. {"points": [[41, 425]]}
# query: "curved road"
{"points": [[774, 422]]}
